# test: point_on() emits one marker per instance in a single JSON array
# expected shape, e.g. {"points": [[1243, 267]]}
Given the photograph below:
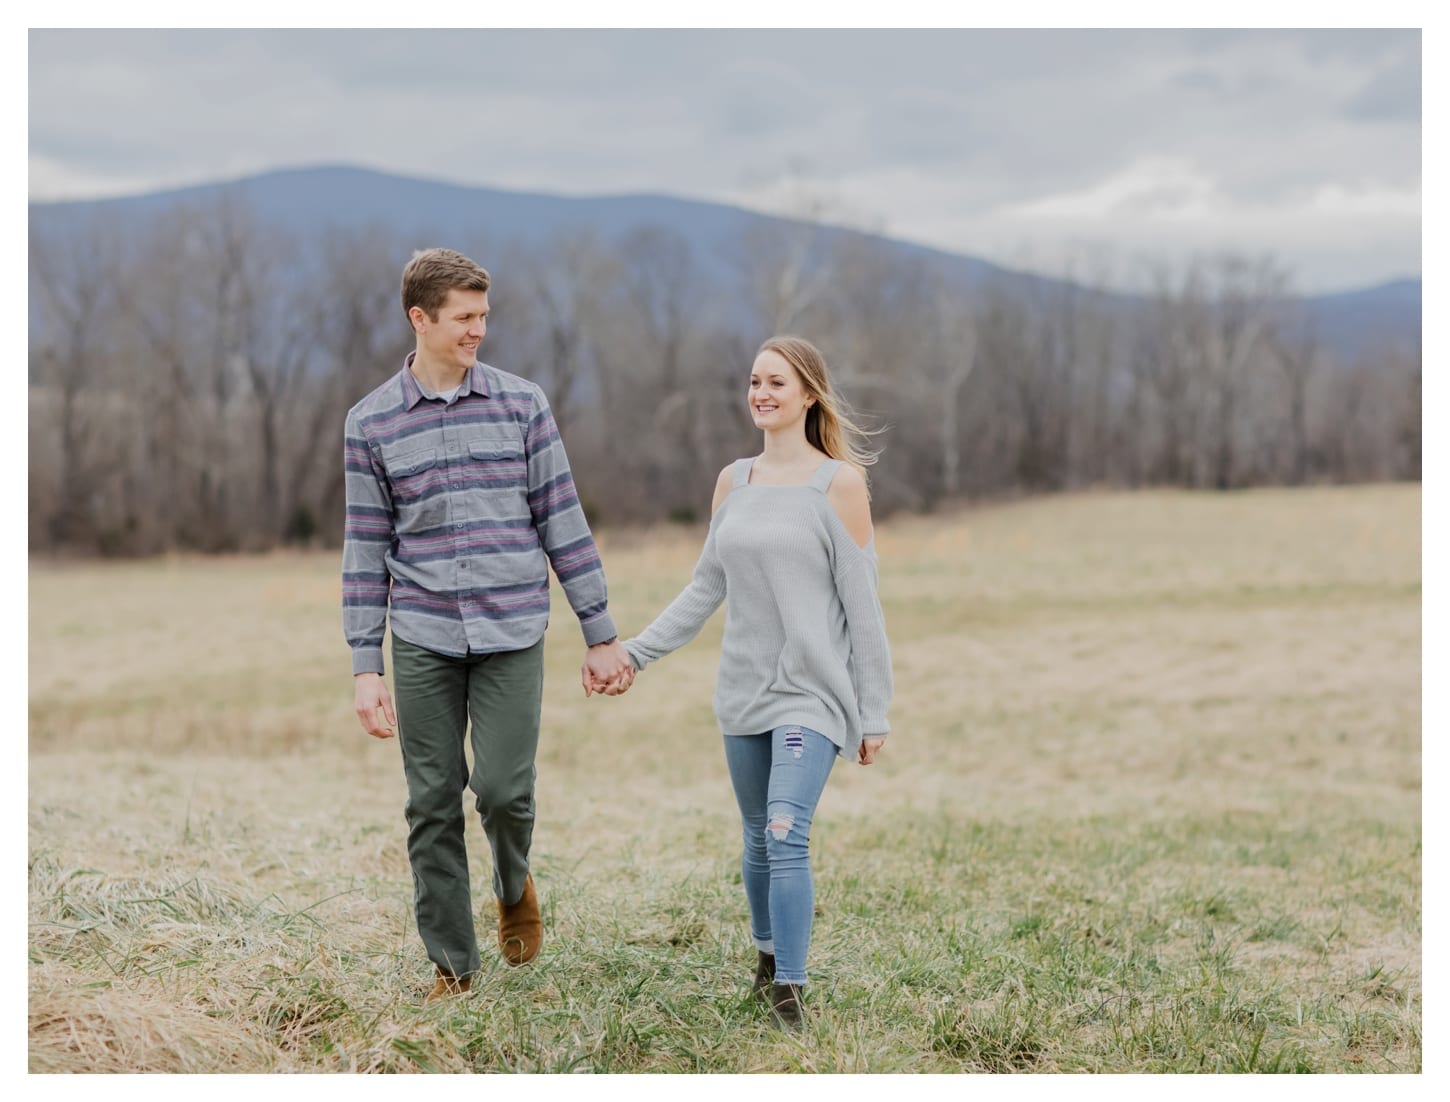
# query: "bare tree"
{"points": [[784, 274], [1242, 307], [356, 283], [74, 275], [1088, 318], [160, 322], [957, 339], [1411, 421], [557, 295], [660, 282], [189, 374], [1296, 358]]}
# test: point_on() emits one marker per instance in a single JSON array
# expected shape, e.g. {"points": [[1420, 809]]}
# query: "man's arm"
{"points": [[564, 533], [367, 534]]}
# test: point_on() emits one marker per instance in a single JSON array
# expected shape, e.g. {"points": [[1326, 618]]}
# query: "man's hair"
{"points": [[432, 273]]}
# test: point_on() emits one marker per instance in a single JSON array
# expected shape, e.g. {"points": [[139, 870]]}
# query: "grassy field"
{"points": [[1151, 803]]}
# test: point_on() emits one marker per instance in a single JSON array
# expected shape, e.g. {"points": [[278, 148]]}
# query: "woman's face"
{"points": [[777, 398]]}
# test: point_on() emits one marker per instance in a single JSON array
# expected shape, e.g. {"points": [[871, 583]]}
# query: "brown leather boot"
{"points": [[520, 927], [764, 975], [786, 1009], [446, 985]]}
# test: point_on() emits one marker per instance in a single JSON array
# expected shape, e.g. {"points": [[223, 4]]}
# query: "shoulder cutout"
{"points": [[723, 485], [847, 495]]}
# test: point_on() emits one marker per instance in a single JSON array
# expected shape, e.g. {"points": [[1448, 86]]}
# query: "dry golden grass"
{"points": [[1152, 802]]}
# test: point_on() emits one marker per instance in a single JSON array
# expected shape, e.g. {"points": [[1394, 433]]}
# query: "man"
{"points": [[458, 495]]}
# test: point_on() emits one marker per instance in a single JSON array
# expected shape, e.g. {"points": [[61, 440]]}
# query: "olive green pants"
{"points": [[436, 698]]}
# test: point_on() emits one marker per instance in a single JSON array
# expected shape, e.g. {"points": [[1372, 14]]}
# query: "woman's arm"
{"points": [[870, 652], [683, 618], [848, 497], [856, 586]]}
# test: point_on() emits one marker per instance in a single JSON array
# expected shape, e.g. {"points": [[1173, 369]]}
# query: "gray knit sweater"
{"points": [[805, 641]]}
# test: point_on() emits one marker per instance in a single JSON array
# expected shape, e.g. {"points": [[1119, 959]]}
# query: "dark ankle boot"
{"points": [[764, 974], [786, 1005]]}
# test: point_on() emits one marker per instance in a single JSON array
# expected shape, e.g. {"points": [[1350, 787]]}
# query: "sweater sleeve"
{"points": [[866, 628], [683, 618]]}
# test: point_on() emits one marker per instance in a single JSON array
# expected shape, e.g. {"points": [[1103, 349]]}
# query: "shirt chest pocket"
{"points": [[497, 464], [411, 472]]}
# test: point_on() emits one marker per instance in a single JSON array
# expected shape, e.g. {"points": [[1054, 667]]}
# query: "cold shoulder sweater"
{"points": [[805, 640]]}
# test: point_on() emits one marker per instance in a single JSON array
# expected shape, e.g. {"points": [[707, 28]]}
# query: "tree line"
{"points": [[189, 375]]}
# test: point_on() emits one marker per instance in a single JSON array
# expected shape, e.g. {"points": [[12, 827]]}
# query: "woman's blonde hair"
{"points": [[830, 422]]}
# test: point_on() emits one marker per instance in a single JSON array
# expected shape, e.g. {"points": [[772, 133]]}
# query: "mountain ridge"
{"points": [[306, 197]]}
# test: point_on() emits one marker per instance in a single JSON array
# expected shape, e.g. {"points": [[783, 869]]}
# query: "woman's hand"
{"points": [[607, 669], [870, 747]]}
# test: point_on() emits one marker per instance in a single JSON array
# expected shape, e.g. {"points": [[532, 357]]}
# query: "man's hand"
{"points": [[370, 693], [870, 747], [607, 669]]}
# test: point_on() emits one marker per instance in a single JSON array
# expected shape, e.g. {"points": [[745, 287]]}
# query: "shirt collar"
{"points": [[474, 382]]}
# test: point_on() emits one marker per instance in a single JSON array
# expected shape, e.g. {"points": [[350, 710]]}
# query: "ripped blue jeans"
{"points": [[778, 778]]}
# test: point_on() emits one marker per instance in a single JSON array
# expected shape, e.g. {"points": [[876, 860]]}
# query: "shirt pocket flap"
{"points": [[405, 466], [496, 450]]}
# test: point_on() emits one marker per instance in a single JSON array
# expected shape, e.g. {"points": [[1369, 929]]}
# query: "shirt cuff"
{"points": [[367, 660], [600, 629]]}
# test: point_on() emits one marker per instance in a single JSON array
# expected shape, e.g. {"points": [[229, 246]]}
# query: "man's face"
{"points": [[454, 338]]}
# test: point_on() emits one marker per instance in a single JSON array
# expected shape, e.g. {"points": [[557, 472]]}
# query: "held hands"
{"points": [[870, 747], [370, 693], [607, 669]]}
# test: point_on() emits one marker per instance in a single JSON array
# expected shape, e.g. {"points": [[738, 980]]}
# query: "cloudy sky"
{"points": [[1023, 147]]}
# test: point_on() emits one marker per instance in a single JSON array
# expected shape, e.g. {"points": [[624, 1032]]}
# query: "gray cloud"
{"points": [[1199, 79], [1391, 95], [942, 134]]}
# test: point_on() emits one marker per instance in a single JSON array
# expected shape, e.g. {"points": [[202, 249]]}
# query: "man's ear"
{"points": [[416, 317]]}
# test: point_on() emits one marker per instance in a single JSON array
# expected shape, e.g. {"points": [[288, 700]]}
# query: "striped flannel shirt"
{"points": [[455, 510]]}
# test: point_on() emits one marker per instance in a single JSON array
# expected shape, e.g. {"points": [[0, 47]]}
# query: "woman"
{"points": [[805, 671]]}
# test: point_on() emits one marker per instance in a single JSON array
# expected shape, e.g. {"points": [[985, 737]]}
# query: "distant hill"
{"points": [[1353, 320], [309, 199]]}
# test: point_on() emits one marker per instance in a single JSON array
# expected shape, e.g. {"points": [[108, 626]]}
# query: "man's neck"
{"points": [[439, 378]]}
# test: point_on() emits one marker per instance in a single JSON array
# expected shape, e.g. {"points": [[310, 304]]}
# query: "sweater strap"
{"points": [[742, 472], [821, 480]]}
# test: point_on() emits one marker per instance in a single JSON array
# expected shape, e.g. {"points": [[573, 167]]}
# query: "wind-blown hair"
{"points": [[830, 422]]}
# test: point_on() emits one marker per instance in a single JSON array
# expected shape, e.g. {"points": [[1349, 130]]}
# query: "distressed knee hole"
{"points": [[779, 826], [795, 742]]}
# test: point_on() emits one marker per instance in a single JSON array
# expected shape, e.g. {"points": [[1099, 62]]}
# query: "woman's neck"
{"points": [[789, 448]]}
